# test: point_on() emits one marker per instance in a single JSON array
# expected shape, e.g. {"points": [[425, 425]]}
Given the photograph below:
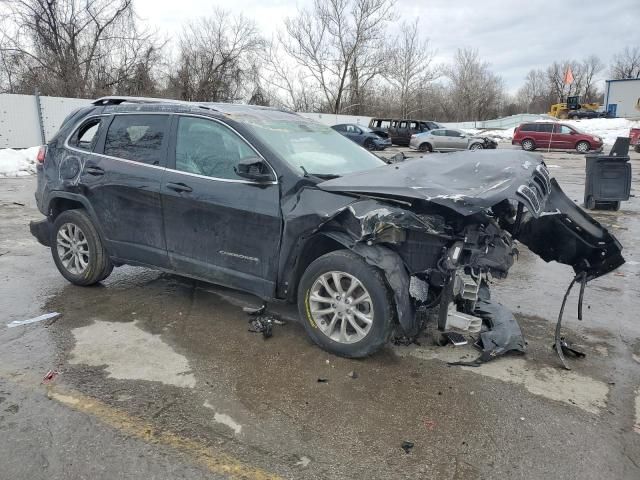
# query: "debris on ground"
{"points": [[569, 349], [303, 462], [261, 325], [260, 321], [352, 374], [50, 376], [407, 446], [20, 204], [455, 338], [323, 380], [430, 424], [46, 316]]}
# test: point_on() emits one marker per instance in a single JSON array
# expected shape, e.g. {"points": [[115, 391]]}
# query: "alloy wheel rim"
{"points": [[582, 148], [73, 248], [341, 307]]}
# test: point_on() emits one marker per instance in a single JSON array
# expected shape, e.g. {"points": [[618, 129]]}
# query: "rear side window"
{"points": [[86, 136], [453, 133], [545, 127], [528, 127], [384, 124], [438, 133], [137, 137]]}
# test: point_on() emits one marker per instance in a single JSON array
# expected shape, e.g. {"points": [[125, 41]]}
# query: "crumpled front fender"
{"points": [[567, 234]]}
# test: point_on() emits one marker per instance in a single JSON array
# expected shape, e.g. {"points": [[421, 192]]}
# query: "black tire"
{"points": [[528, 145], [99, 265], [637, 148], [369, 145], [425, 147], [583, 147], [476, 146], [590, 203], [381, 299]]}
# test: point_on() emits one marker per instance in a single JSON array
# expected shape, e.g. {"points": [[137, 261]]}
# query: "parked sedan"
{"points": [[363, 136], [449, 140]]}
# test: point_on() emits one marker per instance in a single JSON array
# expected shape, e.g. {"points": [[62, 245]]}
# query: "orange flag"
{"points": [[568, 77]]}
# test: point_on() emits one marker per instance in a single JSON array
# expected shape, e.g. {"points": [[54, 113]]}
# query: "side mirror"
{"points": [[253, 168]]}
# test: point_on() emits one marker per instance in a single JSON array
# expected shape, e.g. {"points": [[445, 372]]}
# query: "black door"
{"points": [[219, 226], [121, 180]]}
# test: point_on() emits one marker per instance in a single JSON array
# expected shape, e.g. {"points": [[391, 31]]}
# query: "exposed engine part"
{"points": [[466, 288], [419, 290], [462, 321]]}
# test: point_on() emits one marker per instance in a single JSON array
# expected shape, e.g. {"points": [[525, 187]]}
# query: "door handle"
{"points": [[94, 170], [179, 187]]}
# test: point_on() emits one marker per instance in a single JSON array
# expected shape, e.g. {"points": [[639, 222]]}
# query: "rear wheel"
{"points": [[345, 305], [528, 145], [425, 147], [583, 147], [77, 249], [637, 148]]}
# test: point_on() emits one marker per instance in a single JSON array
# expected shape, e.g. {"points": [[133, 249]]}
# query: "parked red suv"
{"points": [[634, 138], [554, 135]]}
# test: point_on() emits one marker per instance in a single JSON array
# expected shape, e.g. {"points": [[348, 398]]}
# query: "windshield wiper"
{"points": [[326, 176]]}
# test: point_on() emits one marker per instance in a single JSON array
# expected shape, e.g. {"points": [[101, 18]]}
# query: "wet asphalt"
{"points": [[160, 378]]}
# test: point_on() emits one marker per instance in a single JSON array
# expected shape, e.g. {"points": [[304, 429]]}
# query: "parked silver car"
{"points": [[449, 140]]}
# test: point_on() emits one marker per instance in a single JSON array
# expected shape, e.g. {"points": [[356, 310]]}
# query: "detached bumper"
{"points": [[42, 231]]}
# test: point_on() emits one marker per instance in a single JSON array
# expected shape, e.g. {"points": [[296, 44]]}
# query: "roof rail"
{"points": [[118, 100]]}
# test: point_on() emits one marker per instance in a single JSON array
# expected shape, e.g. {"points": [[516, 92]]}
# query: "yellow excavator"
{"points": [[564, 110]]}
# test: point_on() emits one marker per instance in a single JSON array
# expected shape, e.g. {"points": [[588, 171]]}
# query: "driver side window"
{"points": [[208, 148]]}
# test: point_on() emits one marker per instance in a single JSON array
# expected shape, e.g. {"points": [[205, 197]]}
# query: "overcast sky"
{"points": [[514, 36]]}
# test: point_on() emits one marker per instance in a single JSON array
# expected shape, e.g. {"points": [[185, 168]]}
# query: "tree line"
{"points": [[335, 56]]}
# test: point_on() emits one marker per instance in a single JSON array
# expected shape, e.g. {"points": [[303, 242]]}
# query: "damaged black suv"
{"points": [[272, 203]]}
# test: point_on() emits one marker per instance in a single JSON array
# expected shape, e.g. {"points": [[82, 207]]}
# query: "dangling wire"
{"points": [[582, 277]]}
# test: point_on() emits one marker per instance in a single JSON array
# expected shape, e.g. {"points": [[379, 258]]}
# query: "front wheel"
{"points": [[583, 147], [528, 145], [345, 305], [369, 145], [77, 249], [476, 146]]}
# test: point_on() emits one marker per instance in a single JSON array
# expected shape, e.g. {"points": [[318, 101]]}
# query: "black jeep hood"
{"points": [[466, 182]]}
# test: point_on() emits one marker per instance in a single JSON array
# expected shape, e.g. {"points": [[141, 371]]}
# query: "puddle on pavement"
{"points": [[130, 353], [553, 383]]}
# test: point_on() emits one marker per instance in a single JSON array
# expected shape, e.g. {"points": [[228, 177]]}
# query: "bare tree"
{"points": [[591, 67], [476, 93], [626, 64], [337, 44], [409, 69], [73, 47], [291, 88], [216, 58]]}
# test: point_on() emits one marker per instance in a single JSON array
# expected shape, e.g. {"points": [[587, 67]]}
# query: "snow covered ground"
{"points": [[18, 163], [606, 128]]}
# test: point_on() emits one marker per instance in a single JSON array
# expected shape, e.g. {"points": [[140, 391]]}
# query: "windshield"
{"points": [[313, 148], [365, 129]]}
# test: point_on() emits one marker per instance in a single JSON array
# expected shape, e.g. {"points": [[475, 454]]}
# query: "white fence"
{"points": [[29, 120]]}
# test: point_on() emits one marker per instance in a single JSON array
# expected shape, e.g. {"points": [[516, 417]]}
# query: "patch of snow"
{"points": [[18, 163]]}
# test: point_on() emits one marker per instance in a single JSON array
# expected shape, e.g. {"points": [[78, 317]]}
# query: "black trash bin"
{"points": [[608, 177]]}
